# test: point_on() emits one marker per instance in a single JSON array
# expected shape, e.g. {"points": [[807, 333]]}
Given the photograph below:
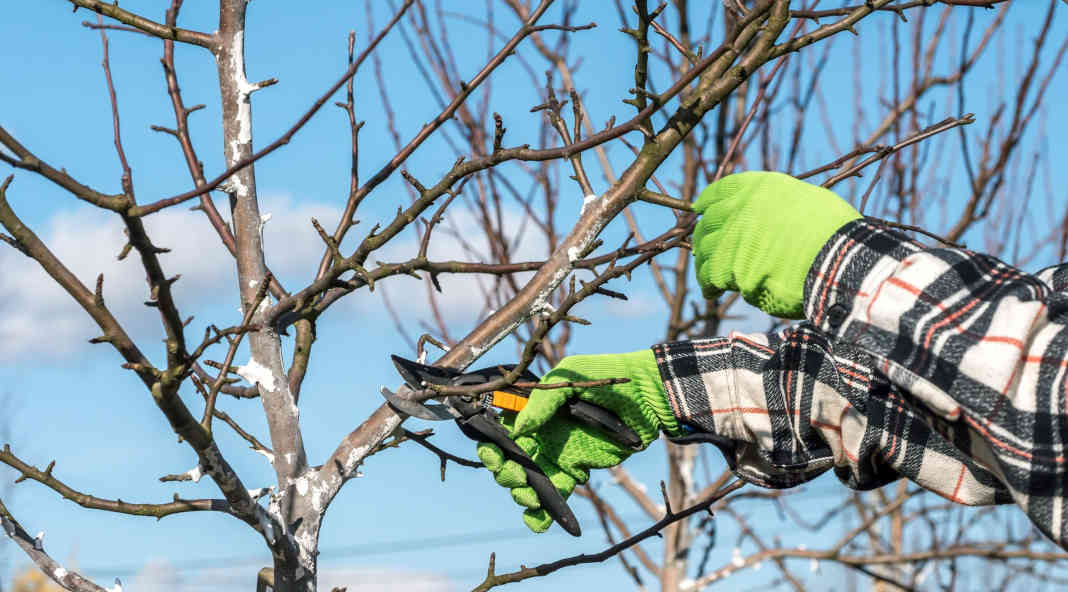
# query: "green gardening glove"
{"points": [[566, 450], [759, 233]]}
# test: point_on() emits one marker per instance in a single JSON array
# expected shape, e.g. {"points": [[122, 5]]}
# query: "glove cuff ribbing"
{"points": [[645, 376]]}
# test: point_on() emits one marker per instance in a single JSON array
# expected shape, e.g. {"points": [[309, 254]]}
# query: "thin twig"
{"points": [[281, 141], [493, 579], [250, 312]]}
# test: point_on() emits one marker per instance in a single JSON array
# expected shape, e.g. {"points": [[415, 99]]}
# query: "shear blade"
{"points": [[431, 412], [414, 373]]}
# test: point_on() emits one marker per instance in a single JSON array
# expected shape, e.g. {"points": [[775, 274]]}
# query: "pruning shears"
{"points": [[478, 420]]}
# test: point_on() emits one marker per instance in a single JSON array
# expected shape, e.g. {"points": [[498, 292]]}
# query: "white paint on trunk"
{"points": [[256, 494], [243, 118], [195, 473], [312, 494], [60, 573], [355, 457], [543, 309], [267, 455], [301, 484], [264, 219], [265, 523], [256, 373], [586, 201], [541, 305]]}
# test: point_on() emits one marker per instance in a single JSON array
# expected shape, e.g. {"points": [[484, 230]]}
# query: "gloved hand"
{"points": [[759, 233], [565, 450]]}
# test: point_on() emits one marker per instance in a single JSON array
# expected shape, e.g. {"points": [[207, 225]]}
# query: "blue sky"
{"points": [[72, 403]]}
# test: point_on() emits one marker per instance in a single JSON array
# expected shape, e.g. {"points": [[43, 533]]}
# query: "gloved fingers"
{"points": [[526, 497], [548, 463], [535, 517], [716, 215], [715, 278], [564, 483], [491, 455], [543, 403], [724, 189], [540, 408], [537, 520], [579, 449], [510, 475]]}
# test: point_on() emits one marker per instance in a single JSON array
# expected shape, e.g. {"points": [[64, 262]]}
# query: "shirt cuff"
{"points": [[848, 270]]}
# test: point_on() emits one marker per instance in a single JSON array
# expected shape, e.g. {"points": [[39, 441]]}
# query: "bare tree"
{"points": [[717, 88]]}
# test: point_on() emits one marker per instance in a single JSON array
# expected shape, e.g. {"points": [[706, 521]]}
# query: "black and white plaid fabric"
{"points": [[941, 365]]}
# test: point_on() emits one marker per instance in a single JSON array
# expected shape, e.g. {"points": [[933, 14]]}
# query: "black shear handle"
{"points": [[603, 419], [483, 428]]}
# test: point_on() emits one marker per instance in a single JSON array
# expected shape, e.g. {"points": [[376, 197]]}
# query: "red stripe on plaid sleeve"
{"points": [[752, 343], [715, 344], [905, 286], [1045, 360], [839, 257], [900, 284], [862, 378], [977, 298], [998, 339], [1004, 446], [669, 388], [960, 480]]}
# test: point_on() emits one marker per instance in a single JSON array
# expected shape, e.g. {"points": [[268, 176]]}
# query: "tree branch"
{"points": [[69, 580], [533, 297], [493, 579], [163, 386], [281, 141], [126, 17], [158, 511], [28, 161]]}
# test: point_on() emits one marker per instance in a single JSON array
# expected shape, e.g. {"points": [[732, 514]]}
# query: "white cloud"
{"points": [[38, 317], [156, 576], [463, 296]]}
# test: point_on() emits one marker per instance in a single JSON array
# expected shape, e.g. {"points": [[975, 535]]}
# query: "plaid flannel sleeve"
{"points": [[944, 366], [785, 407], [976, 341]]}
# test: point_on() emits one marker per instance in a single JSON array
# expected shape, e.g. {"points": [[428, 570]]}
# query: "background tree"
{"points": [[537, 222]]}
